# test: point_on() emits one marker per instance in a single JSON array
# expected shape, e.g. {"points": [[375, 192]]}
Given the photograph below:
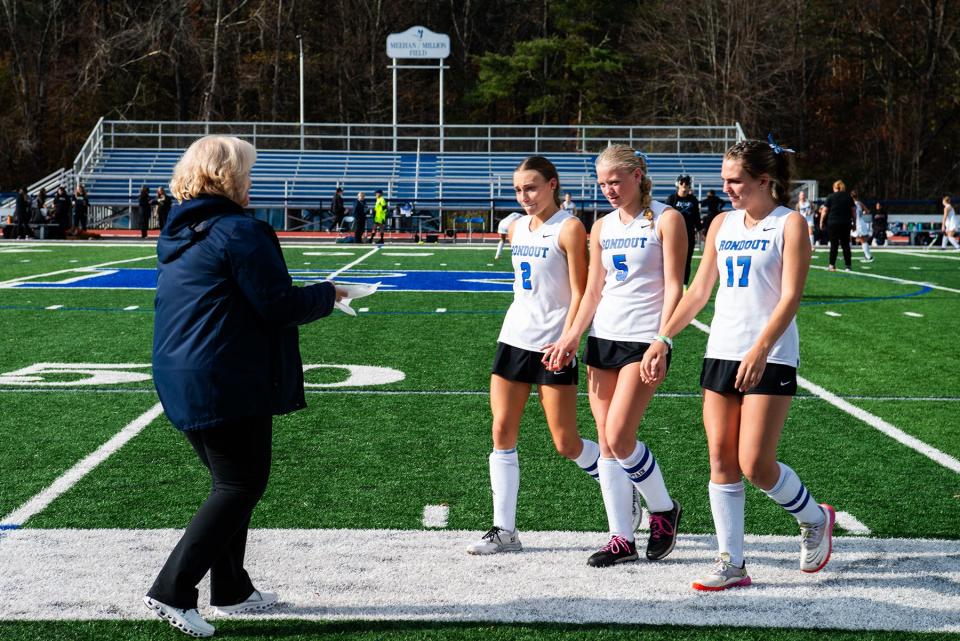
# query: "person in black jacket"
{"points": [[62, 213], [144, 211], [81, 206], [21, 214], [359, 218], [226, 359], [840, 218], [880, 223], [163, 203], [687, 204], [337, 209]]}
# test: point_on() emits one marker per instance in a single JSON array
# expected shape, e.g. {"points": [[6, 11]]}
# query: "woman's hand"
{"points": [[341, 294], [653, 367], [751, 368], [558, 355]]}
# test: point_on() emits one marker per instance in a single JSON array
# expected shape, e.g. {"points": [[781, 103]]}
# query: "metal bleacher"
{"points": [[473, 173]]}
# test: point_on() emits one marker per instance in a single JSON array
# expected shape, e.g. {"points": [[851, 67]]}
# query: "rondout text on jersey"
{"points": [[533, 251], [740, 245]]}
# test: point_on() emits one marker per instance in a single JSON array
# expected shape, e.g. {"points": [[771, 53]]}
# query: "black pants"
{"points": [[691, 243], [359, 226], [839, 234], [238, 456]]}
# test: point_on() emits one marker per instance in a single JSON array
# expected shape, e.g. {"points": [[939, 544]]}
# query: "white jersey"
{"points": [[541, 286], [864, 221], [504, 226], [951, 223], [806, 210], [750, 262], [632, 298]]}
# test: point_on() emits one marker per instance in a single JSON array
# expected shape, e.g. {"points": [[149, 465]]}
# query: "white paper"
{"points": [[354, 290]]}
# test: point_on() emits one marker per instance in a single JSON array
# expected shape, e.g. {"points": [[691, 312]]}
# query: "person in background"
{"points": [[806, 210], [81, 207], [950, 225], [39, 214], [503, 228], [879, 223], [713, 205], [689, 207], [379, 216], [144, 213], [21, 214], [163, 203], [359, 217], [337, 209], [568, 205], [226, 360], [863, 230], [838, 219], [62, 213]]}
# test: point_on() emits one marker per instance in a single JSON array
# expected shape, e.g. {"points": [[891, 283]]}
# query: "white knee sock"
{"points": [[793, 496], [953, 241], [617, 493], [505, 483], [726, 504], [812, 244], [642, 469], [499, 249], [866, 250], [587, 461]]}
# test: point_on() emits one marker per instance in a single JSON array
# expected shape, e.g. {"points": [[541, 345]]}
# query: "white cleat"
{"points": [[255, 602], [187, 621], [496, 540], [816, 541], [724, 576]]}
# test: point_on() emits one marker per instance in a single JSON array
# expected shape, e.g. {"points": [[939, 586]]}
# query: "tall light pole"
{"points": [[300, 43]]}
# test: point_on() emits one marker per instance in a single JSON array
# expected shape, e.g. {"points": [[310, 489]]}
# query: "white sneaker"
{"points": [[496, 540], [816, 541], [256, 601], [724, 576], [187, 621], [637, 509]]}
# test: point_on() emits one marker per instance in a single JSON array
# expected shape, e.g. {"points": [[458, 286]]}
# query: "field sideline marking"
{"points": [[896, 280], [872, 420], [70, 478], [336, 273], [13, 281], [349, 574], [435, 516]]}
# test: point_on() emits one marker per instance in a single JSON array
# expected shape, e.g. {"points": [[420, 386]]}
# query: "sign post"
{"points": [[418, 43]]}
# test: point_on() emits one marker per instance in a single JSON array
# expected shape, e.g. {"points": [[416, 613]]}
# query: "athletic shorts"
{"points": [[719, 376], [524, 366], [606, 354]]}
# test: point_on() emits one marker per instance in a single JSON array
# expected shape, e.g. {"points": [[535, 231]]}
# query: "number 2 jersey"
{"points": [[633, 285], [541, 286], [750, 264]]}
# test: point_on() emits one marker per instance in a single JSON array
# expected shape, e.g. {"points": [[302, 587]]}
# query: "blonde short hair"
{"points": [[214, 165], [839, 186]]}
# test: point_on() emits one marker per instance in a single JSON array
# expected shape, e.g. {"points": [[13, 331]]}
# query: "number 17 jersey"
{"points": [[750, 265]]}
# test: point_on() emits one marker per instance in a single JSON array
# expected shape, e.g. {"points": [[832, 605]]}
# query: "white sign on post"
{"points": [[418, 42]]}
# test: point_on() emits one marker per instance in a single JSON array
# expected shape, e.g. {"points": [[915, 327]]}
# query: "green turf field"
{"points": [[878, 338]]}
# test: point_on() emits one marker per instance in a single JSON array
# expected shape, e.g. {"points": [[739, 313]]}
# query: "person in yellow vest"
{"points": [[379, 216]]}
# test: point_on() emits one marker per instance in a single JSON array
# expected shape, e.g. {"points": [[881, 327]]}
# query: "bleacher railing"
{"points": [[487, 138]]}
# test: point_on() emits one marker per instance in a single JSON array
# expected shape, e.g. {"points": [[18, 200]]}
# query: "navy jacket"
{"points": [[225, 341]]}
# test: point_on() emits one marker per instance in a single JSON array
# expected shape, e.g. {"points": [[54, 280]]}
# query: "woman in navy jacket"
{"points": [[226, 359]]}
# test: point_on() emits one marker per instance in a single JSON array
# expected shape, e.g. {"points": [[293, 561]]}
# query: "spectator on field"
{"points": [[359, 217], [81, 207], [338, 210], [880, 223], [62, 213], [226, 359], [144, 212], [713, 206], [39, 214], [21, 214], [379, 216], [839, 219], [821, 233], [950, 225], [568, 205], [687, 204], [806, 210], [163, 203], [863, 226]]}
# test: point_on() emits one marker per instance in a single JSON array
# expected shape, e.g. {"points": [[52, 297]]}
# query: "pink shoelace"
{"points": [[660, 526], [617, 545]]}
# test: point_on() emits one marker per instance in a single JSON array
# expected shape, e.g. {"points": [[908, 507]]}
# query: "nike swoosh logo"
{"points": [[782, 383], [548, 236], [769, 228]]}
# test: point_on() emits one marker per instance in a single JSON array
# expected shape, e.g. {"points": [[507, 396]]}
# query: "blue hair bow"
{"points": [[640, 154], [777, 149]]}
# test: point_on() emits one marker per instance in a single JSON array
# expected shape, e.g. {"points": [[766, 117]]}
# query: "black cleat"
{"points": [[618, 550], [663, 532]]}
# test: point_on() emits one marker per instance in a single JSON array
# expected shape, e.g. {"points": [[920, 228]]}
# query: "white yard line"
{"points": [[435, 516], [336, 273], [895, 280], [872, 420], [72, 270], [425, 575], [851, 524], [931, 254], [69, 478]]}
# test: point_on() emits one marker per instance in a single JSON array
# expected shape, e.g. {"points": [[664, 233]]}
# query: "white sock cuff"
{"points": [[727, 488], [589, 456], [639, 451]]}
